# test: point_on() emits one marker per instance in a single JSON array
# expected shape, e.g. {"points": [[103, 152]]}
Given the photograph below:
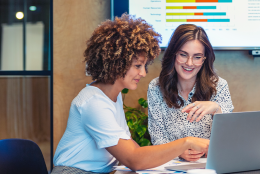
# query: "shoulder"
{"points": [[154, 84], [221, 82], [154, 91], [92, 96]]}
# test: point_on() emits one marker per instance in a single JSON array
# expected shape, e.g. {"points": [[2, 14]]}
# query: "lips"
{"points": [[137, 80], [187, 69]]}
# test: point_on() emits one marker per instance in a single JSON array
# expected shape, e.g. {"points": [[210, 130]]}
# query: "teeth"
{"points": [[187, 69]]}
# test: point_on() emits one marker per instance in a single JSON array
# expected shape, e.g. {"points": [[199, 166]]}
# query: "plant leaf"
{"points": [[141, 129], [128, 115], [143, 102], [125, 91], [144, 142], [130, 123]]}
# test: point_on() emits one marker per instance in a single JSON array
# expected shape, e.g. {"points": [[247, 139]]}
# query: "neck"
{"points": [[111, 90], [185, 85]]}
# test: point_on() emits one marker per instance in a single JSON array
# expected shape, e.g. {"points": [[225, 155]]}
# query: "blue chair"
{"points": [[21, 156]]}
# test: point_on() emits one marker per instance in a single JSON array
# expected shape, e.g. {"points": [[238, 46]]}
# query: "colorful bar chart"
{"points": [[192, 13], [197, 20], [191, 7], [228, 23], [196, 1]]}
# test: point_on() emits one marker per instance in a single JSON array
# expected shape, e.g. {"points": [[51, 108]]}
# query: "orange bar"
{"points": [[206, 0], [189, 7], [198, 14], [197, 20]]}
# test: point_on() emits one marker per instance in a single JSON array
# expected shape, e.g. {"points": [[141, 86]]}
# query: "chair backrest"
{"points": [[21, 156]]}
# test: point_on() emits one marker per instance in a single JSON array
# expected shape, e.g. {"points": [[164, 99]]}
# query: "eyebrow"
{"points": [[138, 60], [142, 61], [188, 53]]}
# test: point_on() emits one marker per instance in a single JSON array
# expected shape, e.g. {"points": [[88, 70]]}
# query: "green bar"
{"points": [[176, 20], [179, 14], [179, 1], [174, 7]]}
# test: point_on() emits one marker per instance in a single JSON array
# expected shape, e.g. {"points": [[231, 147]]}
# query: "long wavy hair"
{"points": [[114, 44], [207, 78]]}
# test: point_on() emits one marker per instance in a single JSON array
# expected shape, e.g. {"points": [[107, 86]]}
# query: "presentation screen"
{"points": [[230, 24]]}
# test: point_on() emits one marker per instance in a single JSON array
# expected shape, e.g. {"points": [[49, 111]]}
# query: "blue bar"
{"points": [[218, 20], [214, 13], [224, 0], [206, 7]]}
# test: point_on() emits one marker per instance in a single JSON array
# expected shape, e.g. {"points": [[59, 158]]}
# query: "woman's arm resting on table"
{"points": [[138, 158]]}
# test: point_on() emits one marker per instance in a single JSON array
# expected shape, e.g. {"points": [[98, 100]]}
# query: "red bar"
{"points": [[189, 7], [197, 20], [198, 14], [206, 0]]}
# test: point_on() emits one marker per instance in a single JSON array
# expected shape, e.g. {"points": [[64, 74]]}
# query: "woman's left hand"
{"points": [[199, 109]]}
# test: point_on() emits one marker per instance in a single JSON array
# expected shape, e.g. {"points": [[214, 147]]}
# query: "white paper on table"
{"points": [[161, 168]]}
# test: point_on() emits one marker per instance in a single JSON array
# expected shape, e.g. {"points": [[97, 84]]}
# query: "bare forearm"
{"points": [[138, 158], [153, 156]]}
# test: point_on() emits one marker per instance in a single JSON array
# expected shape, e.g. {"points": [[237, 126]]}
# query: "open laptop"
{"points": [[234, 144]]}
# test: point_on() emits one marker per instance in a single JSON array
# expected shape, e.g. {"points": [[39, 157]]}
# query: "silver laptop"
{"points": [[234, 144]]}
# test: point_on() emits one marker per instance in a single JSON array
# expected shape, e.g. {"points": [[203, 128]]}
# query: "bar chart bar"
{"points": [[176, 20], [197, 14], [197, 20], [196, 1], [206, 7], [218, 20], [191, 7], [214, 13]]}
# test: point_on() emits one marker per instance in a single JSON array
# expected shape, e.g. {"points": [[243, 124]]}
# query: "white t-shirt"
{"points": [[95, 122]]}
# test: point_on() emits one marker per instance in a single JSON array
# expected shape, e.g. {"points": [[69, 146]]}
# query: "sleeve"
{"points": [[223, 97], [156, 125], [98, 117]]}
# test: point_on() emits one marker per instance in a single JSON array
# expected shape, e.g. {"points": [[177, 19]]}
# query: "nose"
{"points": [[142, 72], [189, 61]]}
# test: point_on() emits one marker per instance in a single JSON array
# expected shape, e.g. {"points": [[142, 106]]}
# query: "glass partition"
{"points": [[24, 35]]}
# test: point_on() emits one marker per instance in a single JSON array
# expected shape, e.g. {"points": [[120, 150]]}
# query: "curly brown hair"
{"points": [[207, 78], [114, 44]]}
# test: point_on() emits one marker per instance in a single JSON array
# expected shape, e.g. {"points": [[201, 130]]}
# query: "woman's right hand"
{"points": [[191, 155], [198, 144]]}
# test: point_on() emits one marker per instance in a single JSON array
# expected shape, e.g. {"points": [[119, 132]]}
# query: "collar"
{"points": [[189, 96]]}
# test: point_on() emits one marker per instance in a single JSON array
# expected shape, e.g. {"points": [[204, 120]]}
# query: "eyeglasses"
{"points": [[183, 57]]}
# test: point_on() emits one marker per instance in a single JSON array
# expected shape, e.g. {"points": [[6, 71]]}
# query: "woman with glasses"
{"points": [[183, 100]]}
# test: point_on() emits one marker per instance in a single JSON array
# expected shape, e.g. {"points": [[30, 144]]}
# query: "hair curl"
{"points": [[113, 45], [206, 78]]}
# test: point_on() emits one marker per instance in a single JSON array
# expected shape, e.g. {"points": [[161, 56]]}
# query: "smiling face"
{"points": [[134, 74], [188, 71]]}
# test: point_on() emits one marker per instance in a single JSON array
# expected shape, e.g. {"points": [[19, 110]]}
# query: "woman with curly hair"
{"points": [[97, 136], [184, 98]]}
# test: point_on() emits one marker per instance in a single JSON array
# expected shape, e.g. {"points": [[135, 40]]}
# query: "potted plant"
{"points": [[137, 121]]}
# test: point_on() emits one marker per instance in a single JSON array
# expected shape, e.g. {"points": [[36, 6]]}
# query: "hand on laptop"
{"points": [[191, 155], [199, 109], [196, 149]]}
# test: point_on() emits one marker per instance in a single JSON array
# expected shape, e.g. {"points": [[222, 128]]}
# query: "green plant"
{"points": [[137, 121]]}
